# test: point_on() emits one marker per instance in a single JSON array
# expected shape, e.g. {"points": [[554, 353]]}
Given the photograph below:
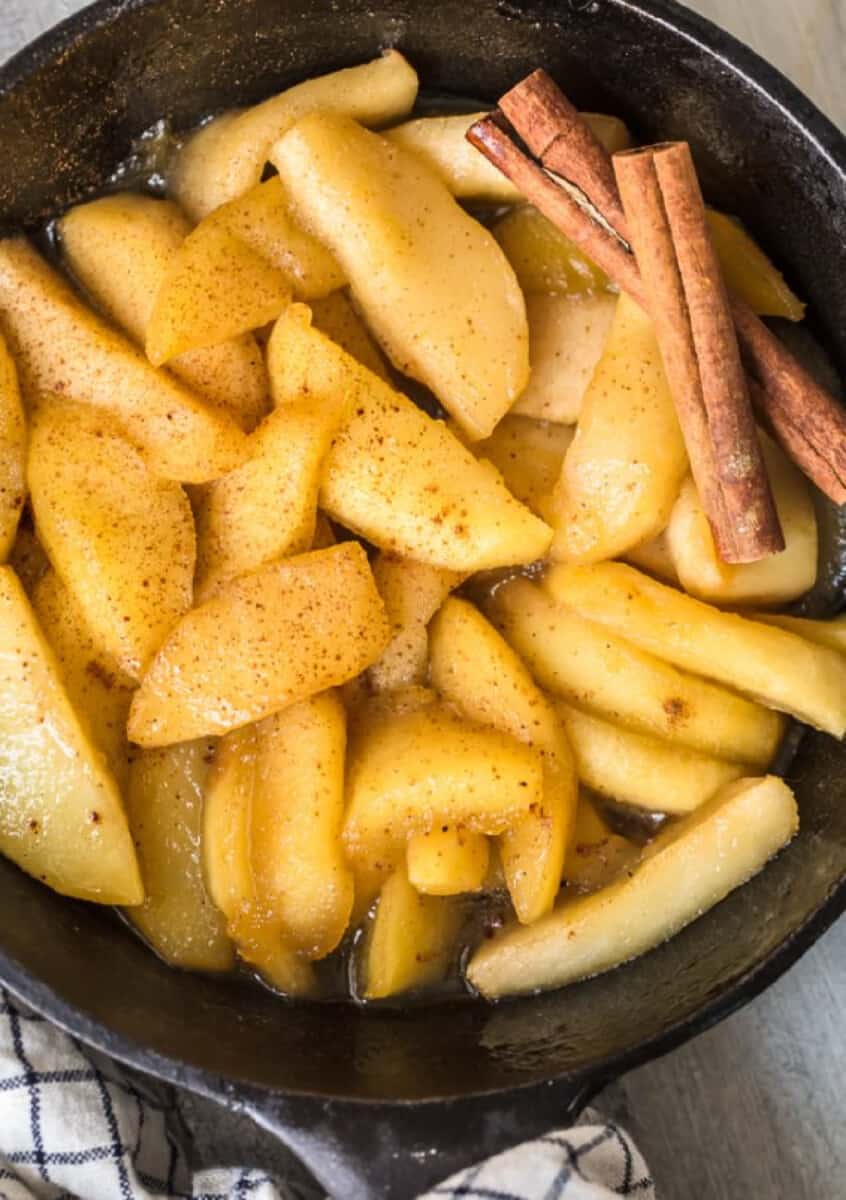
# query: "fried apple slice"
{"points": [[543, 259], [412, 593], [441, 143], [591, 667], [262, 218], [227, 813], [622, 473], [776, 579], [749, 273], [432, 282], [473, 667], [121, 538], [300, 872], [61, 816], [529, 455], [448, 861], [225, 158], [165, 803], [412, 940], [335, 316], [654, 557], [12, 452], [690, 867], [567, 337], [825, 633], [61, 347], [427, 768], [121, 247], [216, 288], [643, 771], [97, 688], [394, 475], [772, 666], [267, 508], [266, 640]]}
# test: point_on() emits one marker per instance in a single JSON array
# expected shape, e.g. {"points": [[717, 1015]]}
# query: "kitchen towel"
{"points": [[75, 1126]]}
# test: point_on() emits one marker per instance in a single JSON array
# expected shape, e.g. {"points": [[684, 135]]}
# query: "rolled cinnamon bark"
{"points": [[557, 134], [685, 293], [556, 203], [807, 421], [650, 232]]}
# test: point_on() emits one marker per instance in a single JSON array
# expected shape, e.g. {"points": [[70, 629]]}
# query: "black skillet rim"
{"points": [[813, 126]]}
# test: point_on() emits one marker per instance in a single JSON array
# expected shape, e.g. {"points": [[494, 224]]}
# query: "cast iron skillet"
{"points": [[383, 1102]]}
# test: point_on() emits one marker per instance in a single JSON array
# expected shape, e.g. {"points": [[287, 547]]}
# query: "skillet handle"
{"points": [[364, 1151]]}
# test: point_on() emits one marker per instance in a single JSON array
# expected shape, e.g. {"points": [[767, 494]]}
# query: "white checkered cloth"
{"points": [[74, 1126]]}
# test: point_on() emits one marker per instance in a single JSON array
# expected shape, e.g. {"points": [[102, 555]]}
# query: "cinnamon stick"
{"points": [[650, 231], [686, 295], [557, 134], [596, 241], [807, 421]]}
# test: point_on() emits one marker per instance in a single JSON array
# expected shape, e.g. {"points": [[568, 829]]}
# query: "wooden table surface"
{"points": [[753, 1109]]}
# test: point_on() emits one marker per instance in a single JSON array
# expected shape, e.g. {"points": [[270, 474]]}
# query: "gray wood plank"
{"points": [[806, 39], [753, 1107]]}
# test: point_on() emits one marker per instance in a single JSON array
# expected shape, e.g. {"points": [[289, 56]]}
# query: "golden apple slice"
{"points": [[825, 633], [165, 803], [262, 218], [690, 867], [642, 771], [335, 316], [266, 640], [622, 473], [749, 273], [300, 872], [776, 579], [225, 158], [654, 557], [434, 286], [567, 336], [60, 346], [227, 812], [121, 538], [473, 667], [529, 455], [97, 688], [424, 769], [595, 669], [412, 593], [412, 939], [448, 861], [441, 142], [393, 474], [770, 665], [120, 248], [216, 288], [228, 870], [266, 508], [543, 259], [61, 816], [12, 452]]}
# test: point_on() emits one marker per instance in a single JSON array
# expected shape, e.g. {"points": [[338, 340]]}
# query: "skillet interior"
{"points": [[69, 109]]}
